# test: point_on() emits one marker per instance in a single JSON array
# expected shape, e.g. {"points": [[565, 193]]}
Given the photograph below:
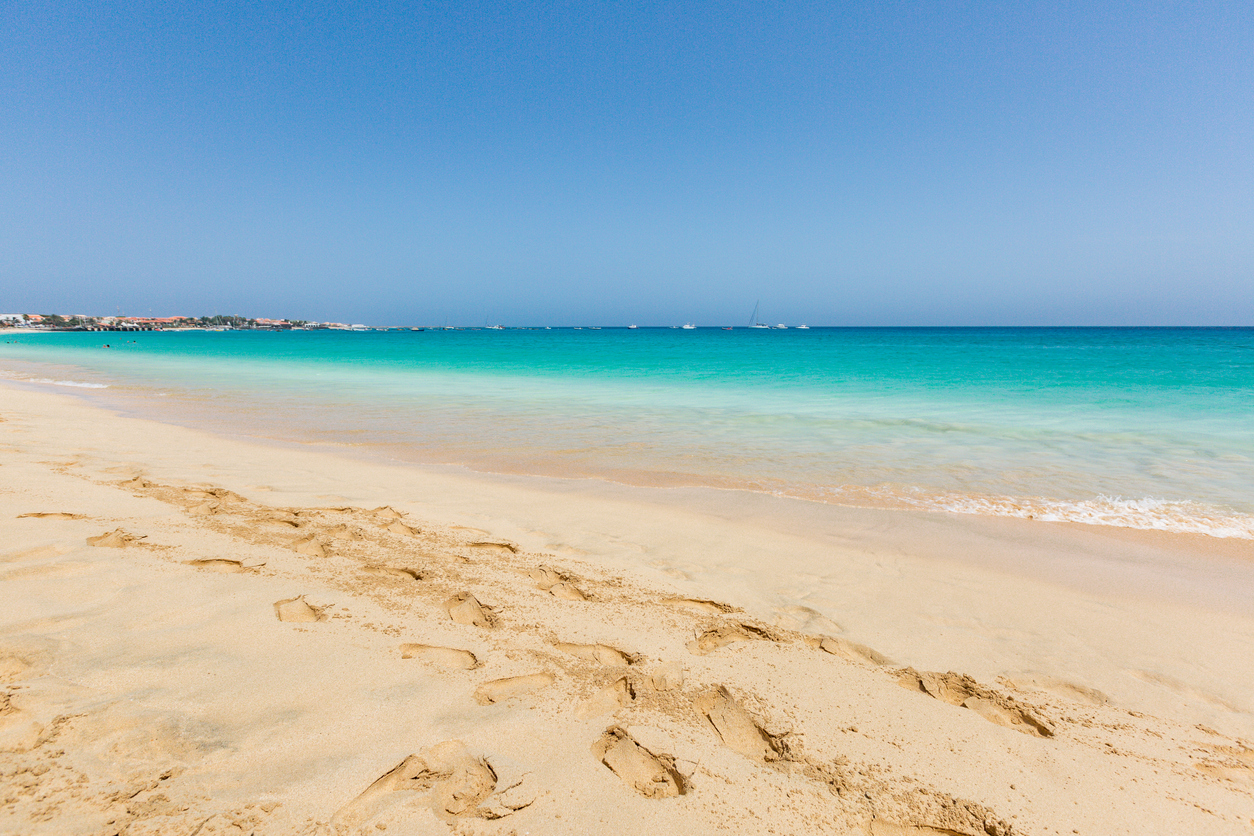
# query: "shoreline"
{"points": [[1219, 523], [1084, 627], [835, 517]]}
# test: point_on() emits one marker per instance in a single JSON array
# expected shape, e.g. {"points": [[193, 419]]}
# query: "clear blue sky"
{"points": [[560, 162]]}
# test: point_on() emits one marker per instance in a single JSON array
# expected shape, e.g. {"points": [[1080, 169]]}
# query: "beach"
{"points": [[519, 419], [210, 634], [532, 419]]}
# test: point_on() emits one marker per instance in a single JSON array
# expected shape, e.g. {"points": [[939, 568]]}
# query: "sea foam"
{"points": [[1147, 513], [75, 383]]}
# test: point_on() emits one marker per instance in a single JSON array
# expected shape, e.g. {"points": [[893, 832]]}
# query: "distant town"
{"points": [[79, 322]]}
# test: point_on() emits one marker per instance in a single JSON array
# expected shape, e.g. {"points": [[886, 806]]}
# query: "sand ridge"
{"points": [[626, 703]]}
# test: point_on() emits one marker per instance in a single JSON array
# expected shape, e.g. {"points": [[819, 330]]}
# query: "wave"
{"points": [[1180, 517], [75, 383]]}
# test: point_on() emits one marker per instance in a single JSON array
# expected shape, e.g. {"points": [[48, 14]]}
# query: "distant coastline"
{"points": [[28, 322], [82, 322]]}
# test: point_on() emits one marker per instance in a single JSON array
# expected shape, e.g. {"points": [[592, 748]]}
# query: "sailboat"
{"points": [[753, 320]]}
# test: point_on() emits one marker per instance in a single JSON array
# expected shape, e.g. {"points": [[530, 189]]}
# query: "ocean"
{"points": [[1139, 427]]}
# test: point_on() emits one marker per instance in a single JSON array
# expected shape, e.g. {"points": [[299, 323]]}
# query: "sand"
{"points": [[205, 635]]}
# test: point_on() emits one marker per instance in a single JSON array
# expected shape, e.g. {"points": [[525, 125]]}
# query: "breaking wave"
{"points": [[75, 383], [1151, 514]]}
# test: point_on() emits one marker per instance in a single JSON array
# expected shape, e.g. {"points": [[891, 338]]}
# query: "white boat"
{"points": [[803, 327], [781, 327], [753, 320], [633, 327], [688, 326]]}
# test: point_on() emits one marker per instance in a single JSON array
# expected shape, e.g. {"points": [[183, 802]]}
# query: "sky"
{"points": [[845, 163]]}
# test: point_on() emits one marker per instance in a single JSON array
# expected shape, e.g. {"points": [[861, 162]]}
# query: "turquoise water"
{"points": [[1148, 428]]}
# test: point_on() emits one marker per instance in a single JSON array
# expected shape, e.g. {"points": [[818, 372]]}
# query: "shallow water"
{"points": [[1149, 428]]}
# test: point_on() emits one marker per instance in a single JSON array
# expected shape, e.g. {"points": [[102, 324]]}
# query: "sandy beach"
{"points": [[208, 635]]}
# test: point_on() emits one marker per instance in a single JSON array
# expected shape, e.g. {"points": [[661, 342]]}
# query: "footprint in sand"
{"points": [[51, 515], [963, 691], [568, 592], [344, 532], [465, 608], [558, 584], [736, 727], [618, 694], [600, 653], [19, 732], [804, 619], [201, 494], [310, 545], [205, 509], [929, 813], [282, 517], [448, 657], [286, 526], [222, 564], [457, 781], [699, 605], [402, 572], [725, 634], [653, 776], [498, 690], [669, 676], [298, 610], [118, 539], [847, 650], [489, 546], [546, 576], [197, 493]]}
